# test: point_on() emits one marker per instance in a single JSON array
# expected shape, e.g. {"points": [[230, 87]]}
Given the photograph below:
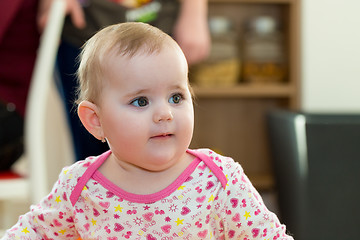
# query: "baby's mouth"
{"points": [[162, 136]]}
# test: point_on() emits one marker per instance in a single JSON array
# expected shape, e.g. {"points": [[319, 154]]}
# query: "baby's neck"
{"points": [[141, 181]]}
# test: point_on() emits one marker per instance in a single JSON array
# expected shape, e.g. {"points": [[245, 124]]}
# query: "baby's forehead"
{"points": [[168, 62], [144, 50]]}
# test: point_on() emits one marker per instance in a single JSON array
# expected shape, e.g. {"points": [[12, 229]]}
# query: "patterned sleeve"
{"points": [[52, 218], [246, 216]]}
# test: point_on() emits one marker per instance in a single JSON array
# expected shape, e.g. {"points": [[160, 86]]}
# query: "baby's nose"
{"points": [[163, 113]]}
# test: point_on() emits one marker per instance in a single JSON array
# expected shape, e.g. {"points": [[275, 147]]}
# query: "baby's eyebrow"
{"points": [[137, 93], [178, 87], [144, 91]]}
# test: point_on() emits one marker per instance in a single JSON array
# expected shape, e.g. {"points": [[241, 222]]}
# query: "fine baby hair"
{"points": [[127, 39], [134, 92]]}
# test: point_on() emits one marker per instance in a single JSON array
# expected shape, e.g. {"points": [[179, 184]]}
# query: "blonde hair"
{"points": [[128, 39]]}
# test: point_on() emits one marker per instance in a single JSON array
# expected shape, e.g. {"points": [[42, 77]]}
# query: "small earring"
{"points": [[103, 140]]}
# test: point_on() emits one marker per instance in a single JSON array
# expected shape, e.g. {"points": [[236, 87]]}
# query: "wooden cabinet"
{"points": [[232, 119]]}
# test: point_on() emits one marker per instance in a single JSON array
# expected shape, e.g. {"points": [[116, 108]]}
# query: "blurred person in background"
{"points": [[19, 40], [21, 23], [184, 20]]}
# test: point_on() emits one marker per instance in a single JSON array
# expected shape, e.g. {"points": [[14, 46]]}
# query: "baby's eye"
{"points": [[176, 98], [140, 102]]}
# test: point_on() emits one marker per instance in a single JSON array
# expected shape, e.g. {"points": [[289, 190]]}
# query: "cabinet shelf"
{"points": [[262, 181], [244, 91], [232, 119]]}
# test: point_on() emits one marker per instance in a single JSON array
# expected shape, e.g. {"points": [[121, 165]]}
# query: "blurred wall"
{"points": [[330, 55]]}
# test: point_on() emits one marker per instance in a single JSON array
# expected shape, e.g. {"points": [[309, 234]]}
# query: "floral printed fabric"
{"points": [[198, 205]]}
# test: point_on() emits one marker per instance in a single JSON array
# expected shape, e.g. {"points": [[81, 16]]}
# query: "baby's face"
{"points": [[146, 109]]}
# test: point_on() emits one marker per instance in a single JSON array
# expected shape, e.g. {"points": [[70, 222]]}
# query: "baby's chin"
{"points": [[162, 162]]}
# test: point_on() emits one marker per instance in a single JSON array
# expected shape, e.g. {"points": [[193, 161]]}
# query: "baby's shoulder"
{"points": [[228, 165], [70, 175]]}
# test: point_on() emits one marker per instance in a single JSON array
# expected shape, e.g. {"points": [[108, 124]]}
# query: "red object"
{"points": [[9, 175]]}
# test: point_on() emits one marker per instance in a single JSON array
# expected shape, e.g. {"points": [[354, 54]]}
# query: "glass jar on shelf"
{"points": [[222, 68], [263, 51]]}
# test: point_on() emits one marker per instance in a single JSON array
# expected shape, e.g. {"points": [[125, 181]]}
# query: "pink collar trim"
{"points": [[91, 172]]}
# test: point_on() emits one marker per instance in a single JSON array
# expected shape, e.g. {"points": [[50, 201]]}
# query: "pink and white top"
{"points": [[211, 199]]}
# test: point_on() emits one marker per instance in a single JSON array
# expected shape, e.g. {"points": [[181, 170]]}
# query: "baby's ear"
{"points": [[88, 114]]}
